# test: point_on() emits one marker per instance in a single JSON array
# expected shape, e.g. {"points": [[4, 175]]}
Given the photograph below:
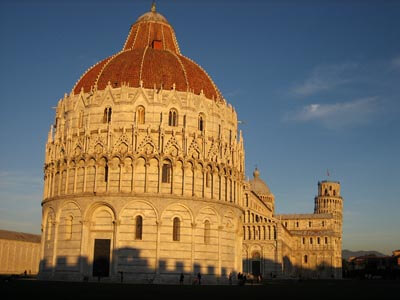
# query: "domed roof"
{"points": [[152, 15], [258, 185], [150, 58]]}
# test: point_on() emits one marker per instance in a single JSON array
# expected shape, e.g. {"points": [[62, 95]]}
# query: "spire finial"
{"points": [[256, 173], [153, 6]]}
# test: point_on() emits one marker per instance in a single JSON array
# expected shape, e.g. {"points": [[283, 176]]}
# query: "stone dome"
{"points": [[258, 185], [150, 58]]}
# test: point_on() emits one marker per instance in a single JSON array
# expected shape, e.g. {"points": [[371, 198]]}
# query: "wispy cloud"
{"points": [[335, 115], [325, 77], [16, 179], [396, 62]]}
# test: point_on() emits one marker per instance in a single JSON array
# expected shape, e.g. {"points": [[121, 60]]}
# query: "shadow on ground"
{"points": [[305, 289]]}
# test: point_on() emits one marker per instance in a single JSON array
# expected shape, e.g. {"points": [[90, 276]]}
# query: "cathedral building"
{"points": [[144, 179]]}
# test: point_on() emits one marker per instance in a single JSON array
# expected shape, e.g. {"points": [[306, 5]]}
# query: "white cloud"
{"points": [[325, 77], [335, 115], [396, 62]]}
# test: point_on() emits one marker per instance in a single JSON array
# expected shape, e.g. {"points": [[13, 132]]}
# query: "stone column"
{"points": [[220, 228], [84, 253], [84, 178], [95, 178], [157, 262], [55, 243], [193, 247], [146, 166], [133, 176], [113, 257], [120, 177], [204, 183], [66, 181], [160, 163], [75, 176]]}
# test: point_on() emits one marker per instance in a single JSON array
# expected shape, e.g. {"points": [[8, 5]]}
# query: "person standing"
{"points": [[181, 278], [199, 278]]}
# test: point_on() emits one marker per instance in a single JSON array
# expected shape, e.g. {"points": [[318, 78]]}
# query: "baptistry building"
{"points": [[144, 179]]}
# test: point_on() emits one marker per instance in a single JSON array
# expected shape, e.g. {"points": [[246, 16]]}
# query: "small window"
{"points": [[297, 224], [166, 173], [157, 44], [326, 192], [286, 224], [326, 240], [106, 173], [139, 228], [207, 230], [304, 241], [107, 115], [318, 241], [176, 231], [311, 241], [201, 122], [140, 115], [309, 224], [334, 193], [173, 118], [323, 223], [305, 259]]}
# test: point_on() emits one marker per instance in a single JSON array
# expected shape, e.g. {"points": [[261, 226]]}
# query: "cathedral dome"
{"points": [[258, 185], [150, 58]]}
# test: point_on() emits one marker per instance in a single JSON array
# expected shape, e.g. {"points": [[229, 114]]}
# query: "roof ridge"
{"points": [[218, 92], [106, 64], [183, 68], [141, 64]]}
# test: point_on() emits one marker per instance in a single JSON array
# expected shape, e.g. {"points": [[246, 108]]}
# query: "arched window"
{"points": [[305, 259], [334, 193], [326, 192], [176, 231], [201, 122], [68, 227], [326, 240], [274, 233], [166, 173], [139, 228], [173, 118], [140, 115], [318, 240], [107, 115], [80, 119], [311, 241], [207, 232]]}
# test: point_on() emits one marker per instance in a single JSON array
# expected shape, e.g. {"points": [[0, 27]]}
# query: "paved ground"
{"points": [[312, 289]]}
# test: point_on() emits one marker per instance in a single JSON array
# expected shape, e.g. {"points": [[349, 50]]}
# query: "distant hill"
{"points": [[348, 253]]}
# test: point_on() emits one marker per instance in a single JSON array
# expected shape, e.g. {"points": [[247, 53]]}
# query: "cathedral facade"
{"points": [[144, 179]]}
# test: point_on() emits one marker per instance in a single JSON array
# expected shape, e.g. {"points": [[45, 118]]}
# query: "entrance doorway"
{"points": [[101, 258], [255, 268]]}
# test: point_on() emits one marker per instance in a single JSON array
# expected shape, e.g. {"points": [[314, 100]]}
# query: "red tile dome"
{"points": [[150, 58]]}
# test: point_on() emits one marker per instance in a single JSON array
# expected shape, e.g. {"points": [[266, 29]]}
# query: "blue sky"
{"points": [[316, 84]]}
